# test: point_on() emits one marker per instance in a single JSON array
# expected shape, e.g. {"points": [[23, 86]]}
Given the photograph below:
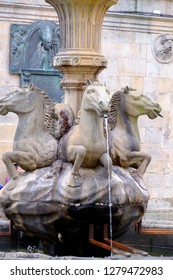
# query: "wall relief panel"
{"points": [[32, 49], [163, 48]]}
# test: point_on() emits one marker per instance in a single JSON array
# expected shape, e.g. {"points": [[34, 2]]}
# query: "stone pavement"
{"points": [[39, 256]]}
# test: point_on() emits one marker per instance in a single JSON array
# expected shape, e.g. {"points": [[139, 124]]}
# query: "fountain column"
{"points": [[80, 56]]}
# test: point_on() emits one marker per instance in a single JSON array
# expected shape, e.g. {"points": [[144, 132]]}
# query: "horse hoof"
{"points": [[137, 178], [11, 184], [48, 175], [75, 181]]}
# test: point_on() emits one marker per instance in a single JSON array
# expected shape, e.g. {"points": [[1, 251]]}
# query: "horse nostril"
{"points": [[105, 115], [160, 115]]}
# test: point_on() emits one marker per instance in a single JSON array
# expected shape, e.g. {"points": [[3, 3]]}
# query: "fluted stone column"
{"points": [[80, 56]]}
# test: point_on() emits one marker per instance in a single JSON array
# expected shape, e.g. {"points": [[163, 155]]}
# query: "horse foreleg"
{"points": [[25, 159], [76, 154], [9, 160], [141, 160], [106, 161], [143, 165]]}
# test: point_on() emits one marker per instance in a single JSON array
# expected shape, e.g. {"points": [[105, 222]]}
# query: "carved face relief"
{"points": [[47, 45], [163, 48]]}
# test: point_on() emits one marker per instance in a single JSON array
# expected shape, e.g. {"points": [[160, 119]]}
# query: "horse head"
{"points": [[97, 98], [22, 100], [136, 103]]}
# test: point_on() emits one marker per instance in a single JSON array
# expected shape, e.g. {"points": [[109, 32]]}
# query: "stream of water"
{"points": [[109, 181]]}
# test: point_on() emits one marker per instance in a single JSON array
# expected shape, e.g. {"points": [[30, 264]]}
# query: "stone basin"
{"points": [[41, 203]]}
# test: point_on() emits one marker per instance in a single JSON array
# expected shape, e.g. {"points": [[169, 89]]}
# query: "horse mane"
{"points": [[114, 105], [48, 108], [58, 117]]}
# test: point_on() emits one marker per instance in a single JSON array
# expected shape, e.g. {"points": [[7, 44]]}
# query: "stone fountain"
{"points": [[76, 172]]}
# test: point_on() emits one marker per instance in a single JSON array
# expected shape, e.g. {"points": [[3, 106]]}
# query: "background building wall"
{"points": [[128, 34]]}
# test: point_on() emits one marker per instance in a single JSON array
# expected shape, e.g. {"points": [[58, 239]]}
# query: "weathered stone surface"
{"points": [[42, 204], [28, 256], [23, 255]]}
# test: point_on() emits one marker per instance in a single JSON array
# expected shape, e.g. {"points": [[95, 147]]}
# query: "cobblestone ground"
{"points": [[21, 255]]}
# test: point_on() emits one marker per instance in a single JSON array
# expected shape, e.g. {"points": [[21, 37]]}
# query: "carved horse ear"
{"points": [[31, 86], [88, 82], [126, 89]]}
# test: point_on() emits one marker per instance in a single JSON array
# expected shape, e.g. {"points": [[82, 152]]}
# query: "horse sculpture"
{"points": [[85, 145], [41, 124], [126, 106]]}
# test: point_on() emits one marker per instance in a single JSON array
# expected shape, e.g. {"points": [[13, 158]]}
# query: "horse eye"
{"points": [[137, 97], [107, 91], [19, 91], [90, 91]]}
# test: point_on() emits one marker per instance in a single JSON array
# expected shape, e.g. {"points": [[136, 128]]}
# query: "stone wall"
{"points": [[128, 35], [147, 6]]}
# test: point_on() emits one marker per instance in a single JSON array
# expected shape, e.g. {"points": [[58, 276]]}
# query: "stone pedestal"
{"points": [[80, 57], [42, 204]]}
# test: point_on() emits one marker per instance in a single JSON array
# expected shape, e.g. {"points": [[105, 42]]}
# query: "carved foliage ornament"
{"points": [[163, 48]]}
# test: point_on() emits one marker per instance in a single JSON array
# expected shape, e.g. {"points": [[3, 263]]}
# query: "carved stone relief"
{"points": [[33, 46], [32, 49], [18, 36], [163, 48]]}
